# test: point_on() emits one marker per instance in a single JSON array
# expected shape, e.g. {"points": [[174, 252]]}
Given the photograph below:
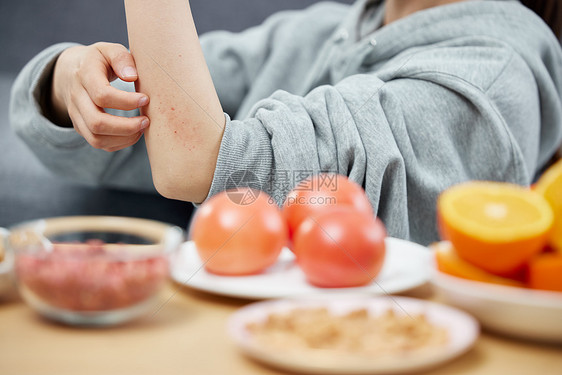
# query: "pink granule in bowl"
{"points": [[87, 277]]}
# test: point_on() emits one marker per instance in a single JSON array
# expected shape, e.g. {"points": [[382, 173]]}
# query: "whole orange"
{"points": [[550, 187], [545, 272]]}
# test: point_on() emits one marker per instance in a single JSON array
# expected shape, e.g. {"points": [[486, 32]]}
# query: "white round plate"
{"points": [[406, 266], [462, 329], [517, 312]]}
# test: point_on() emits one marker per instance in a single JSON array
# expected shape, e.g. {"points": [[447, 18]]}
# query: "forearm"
{"points": [[186, 118]]}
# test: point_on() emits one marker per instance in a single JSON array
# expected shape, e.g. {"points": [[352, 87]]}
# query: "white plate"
{"points": [[517, 312], [406, 266], [462, 329]]}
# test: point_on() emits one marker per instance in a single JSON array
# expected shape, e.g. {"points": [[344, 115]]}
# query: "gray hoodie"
{"points": [[465, 91]]}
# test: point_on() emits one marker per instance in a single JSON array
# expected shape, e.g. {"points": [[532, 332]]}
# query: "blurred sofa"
{"points": [[27, 190]]}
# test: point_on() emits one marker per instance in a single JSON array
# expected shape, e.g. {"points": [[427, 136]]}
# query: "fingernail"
{"points": [[129, 71], [144, 124], [143, 101]]}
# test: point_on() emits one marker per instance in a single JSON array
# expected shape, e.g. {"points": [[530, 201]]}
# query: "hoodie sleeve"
{"points": [[404, 139], [236, 60]]}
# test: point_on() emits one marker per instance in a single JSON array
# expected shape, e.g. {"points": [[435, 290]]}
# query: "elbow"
{"points": [[163, 187], [183, 188], [182, 168]]}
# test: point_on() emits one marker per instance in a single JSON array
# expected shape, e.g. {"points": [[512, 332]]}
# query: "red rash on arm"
{"points": [[186, 118]]}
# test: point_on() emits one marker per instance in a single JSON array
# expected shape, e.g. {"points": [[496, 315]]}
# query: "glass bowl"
{"points": [[92, 270]]}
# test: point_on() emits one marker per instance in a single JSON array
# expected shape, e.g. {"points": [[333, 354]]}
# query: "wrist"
{"points": [[52, 100]]}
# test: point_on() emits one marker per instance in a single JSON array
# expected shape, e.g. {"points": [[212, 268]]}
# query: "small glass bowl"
{"points": [[92, 270]]}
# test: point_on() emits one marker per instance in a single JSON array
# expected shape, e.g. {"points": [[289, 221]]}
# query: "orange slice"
{"points": [[550, 187], [545, 272], [495, 226], [450, 263]]}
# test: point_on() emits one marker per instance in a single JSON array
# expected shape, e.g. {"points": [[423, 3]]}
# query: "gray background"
{"points": [[27, 190]]}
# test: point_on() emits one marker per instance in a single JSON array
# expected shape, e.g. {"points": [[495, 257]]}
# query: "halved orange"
{"points": [[450, 263], [495, 226], [545, 272], [549, 186]]}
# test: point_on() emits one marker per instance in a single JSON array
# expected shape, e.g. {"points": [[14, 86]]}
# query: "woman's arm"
{"points": [[186, 117]]}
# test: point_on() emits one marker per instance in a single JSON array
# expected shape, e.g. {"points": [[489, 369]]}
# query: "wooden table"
{"points": [[188, 336]]}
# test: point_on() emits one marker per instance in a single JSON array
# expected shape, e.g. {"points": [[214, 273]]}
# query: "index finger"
{"points": [[97, 85], [99, 122]]}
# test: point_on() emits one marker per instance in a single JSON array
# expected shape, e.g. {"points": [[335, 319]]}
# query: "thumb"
{"points": [[120, 60]]}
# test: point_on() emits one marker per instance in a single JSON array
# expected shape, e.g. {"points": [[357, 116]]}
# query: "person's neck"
{"points": [[396, 9]]}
